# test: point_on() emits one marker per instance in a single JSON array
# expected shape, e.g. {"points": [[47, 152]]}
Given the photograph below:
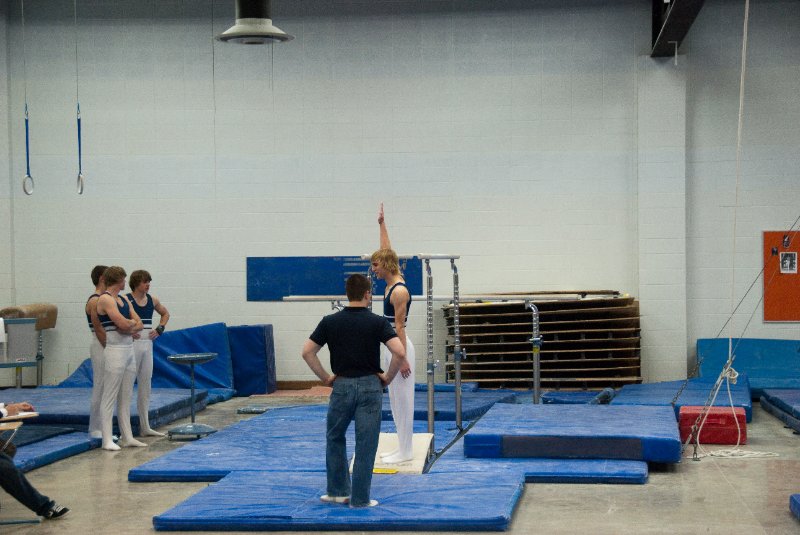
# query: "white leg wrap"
{"points": [[143, 353], [98, 372], [401, 399]]}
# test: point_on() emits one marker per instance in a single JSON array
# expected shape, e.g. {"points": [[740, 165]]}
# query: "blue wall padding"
{"points": [[446, 387], [546, 470], [794, 505], [53, 449], [640, 433], [253, 358], [473, 404], [695, 394], [569, 398], [215, 375], [768, 363], [785, 417], [264, 501], [284, 439], [70, 406]]}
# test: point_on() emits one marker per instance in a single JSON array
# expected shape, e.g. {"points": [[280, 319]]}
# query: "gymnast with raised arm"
{"points": [[396, 304]]}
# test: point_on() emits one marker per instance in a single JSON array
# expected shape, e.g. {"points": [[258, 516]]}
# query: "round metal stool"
{"points": [[191, 429]]}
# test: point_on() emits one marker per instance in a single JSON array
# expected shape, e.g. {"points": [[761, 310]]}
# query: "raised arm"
{"points": [[384, 234]]}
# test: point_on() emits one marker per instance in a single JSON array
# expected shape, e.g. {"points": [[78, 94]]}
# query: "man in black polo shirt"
{"points": [[353, 336]]}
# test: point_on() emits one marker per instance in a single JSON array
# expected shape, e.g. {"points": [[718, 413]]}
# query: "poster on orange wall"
{"points": [[781, 280]]}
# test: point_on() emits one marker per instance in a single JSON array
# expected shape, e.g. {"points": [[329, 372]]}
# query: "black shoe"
{"points": [[55, 511]]}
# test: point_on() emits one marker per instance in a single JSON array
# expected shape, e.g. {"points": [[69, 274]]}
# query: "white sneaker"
{"points": [[334, 499]]}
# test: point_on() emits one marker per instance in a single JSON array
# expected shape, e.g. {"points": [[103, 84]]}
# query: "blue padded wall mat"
{"points": [[215, 375], [69, 407], [284, 439], [794, 505], [473, 404], [695, 394], [637, 433], [546, 470], [53, 449], [768, 363], [253, 359], [248, 501]]}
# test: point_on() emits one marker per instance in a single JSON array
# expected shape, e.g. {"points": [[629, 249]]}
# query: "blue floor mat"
{"points": [[786, 399], [546, 470], [248, 501], [695, 394], [569, 398], [473, 404], [283, 440], [794, 505], [69, 407], [787, 419], [53, 449], [637, 433]]}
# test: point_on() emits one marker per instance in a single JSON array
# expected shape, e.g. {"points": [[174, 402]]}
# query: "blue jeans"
{"points": [[14, 482], [359, 399]]}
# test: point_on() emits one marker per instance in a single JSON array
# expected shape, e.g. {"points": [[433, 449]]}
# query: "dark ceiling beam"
{"points": [[671, 23]]}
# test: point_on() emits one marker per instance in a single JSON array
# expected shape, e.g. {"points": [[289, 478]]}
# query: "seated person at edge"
{"points": [[396, 305], [145, 304], [121, 324], [14, 482], [354, 337]]}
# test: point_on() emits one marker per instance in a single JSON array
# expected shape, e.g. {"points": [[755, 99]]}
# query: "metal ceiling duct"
{"points": [[254, 25]]}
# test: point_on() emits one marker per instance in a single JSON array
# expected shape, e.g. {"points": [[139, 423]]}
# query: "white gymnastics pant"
{"points": [[120, 373], [143, 356], [95, 414], [401, 399]]}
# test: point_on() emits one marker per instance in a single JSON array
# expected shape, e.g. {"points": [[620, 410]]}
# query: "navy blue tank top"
{"points": [[145, 312], [88, 317], [124, 309], [388, 307]]}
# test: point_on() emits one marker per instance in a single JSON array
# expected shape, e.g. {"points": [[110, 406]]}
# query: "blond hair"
{"points": [[387, 259]]}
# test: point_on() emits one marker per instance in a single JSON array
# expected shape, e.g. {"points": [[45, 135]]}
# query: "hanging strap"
{"points": [[27, 182], [80, 164]]}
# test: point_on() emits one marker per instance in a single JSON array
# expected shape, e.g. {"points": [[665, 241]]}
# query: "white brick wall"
{"points": [[515, 137]]}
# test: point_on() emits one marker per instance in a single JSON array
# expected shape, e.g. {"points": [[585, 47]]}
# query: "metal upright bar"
{"points": [[536, 341], [431, 365], [457, 351]]}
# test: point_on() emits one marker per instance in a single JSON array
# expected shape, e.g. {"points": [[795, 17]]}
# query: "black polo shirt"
{"points": [[354, 336]]}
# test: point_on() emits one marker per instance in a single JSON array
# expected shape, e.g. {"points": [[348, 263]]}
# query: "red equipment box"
{"points": [[719, 428]]}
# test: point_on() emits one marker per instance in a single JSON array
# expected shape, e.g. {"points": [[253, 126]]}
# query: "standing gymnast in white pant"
{"points": [[145, 304], [396, 304], [121, 324], [96, 351]]}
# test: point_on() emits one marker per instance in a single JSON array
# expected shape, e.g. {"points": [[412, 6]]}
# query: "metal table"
{"points": [[191, 429]]}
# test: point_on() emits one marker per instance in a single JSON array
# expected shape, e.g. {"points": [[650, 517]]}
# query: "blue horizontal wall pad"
{"points": [[282, 440], [266, 501], [794, 505], [473, 404], [786, 399], [546, 470], [53, 449], [638, 433], [768, 363], [70, 406], [695, 393]]}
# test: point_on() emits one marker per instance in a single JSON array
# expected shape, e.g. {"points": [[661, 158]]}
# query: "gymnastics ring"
{"points": [[79, 182], [27, 185]]}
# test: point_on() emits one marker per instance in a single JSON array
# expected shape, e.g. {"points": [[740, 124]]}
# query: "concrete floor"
{"points": [[730, 496]]}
